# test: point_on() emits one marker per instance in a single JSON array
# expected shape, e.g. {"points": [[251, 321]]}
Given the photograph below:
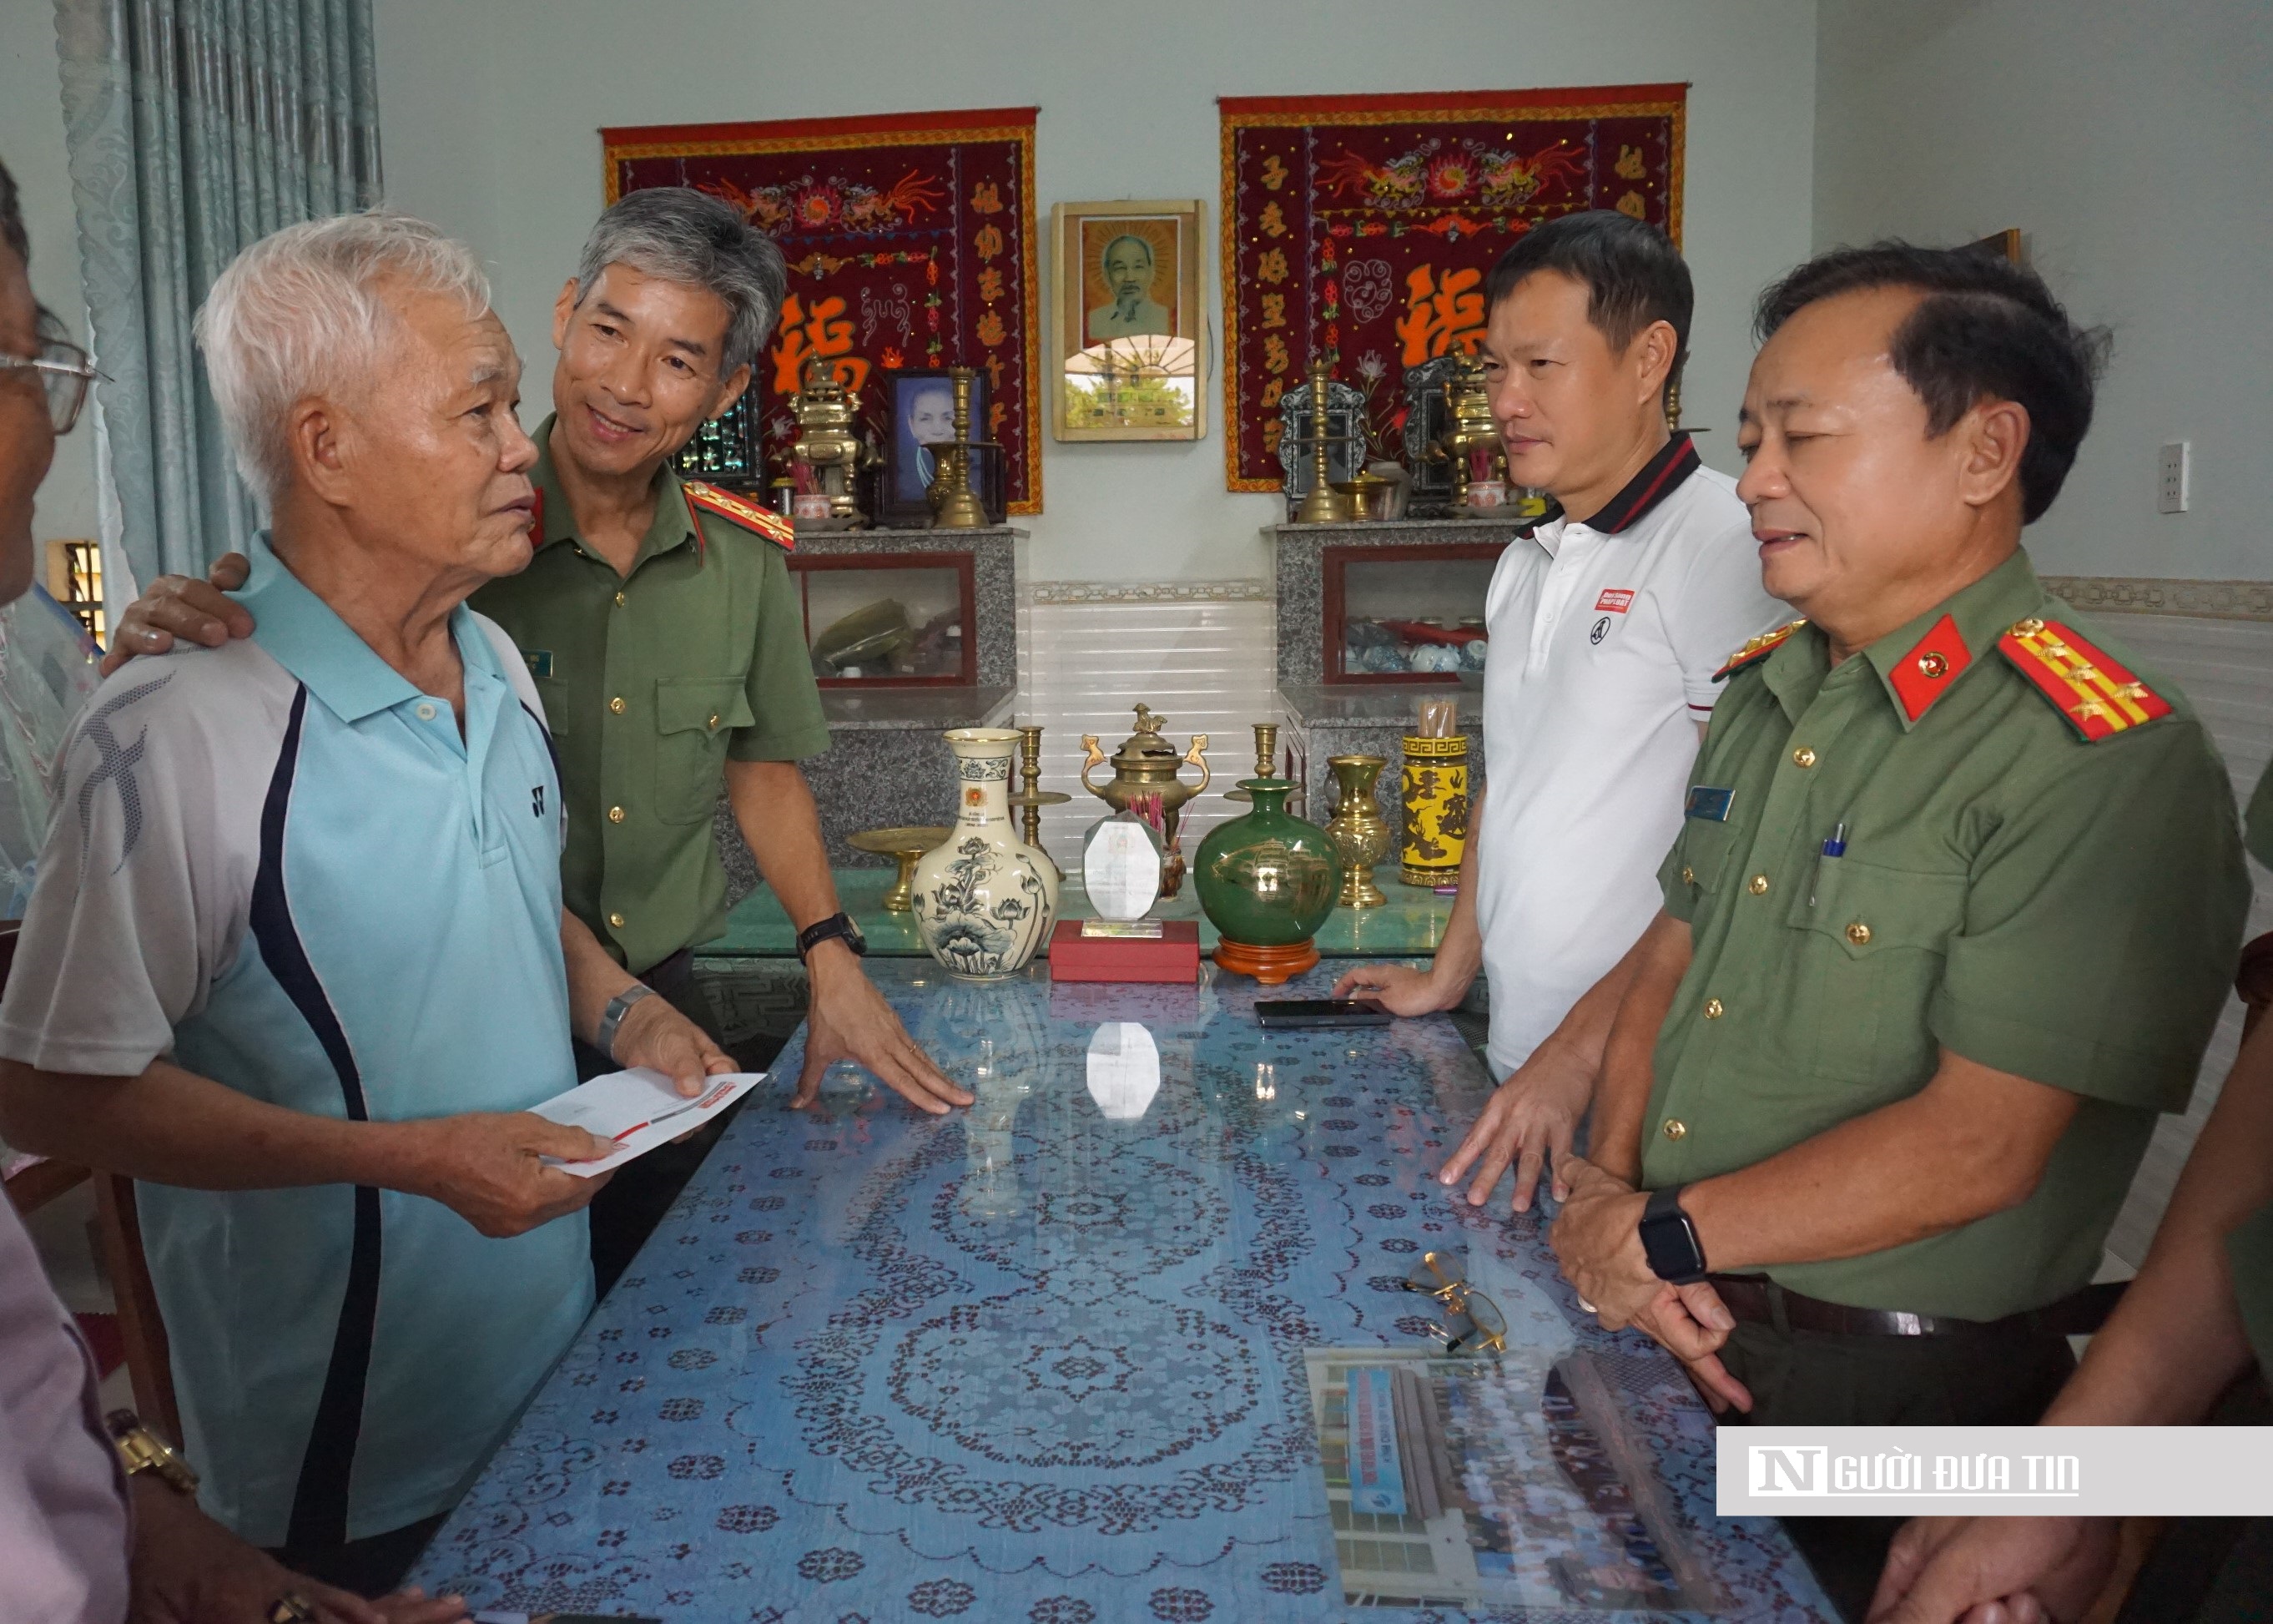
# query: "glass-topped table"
{"points": [[1410, 924], [1054, 1359]]}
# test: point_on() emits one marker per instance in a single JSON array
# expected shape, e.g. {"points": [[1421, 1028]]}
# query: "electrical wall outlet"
{"points": [[2173, 472]]}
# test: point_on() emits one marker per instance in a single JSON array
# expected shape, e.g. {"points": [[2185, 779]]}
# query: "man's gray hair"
{"points": [[305, 312], [680, 235], [1126, 237]]}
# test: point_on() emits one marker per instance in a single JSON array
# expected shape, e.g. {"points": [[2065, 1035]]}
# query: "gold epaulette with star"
{"points": [[759, 520], [2096, 695], [1757, 648]]}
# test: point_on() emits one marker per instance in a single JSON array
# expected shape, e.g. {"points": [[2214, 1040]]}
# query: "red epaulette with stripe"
{"points": [[1757, 648], [2096, 695], [748, 514]]}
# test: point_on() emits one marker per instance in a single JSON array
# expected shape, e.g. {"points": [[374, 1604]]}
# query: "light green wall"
{"points": [[2134, 145], [489, 114], [31, 146]]}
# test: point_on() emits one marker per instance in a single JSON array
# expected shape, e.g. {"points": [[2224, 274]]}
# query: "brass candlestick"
{"points": [[1031, 797], [1267, 759], [1323, 504], [954, 505], [1359, 833]]}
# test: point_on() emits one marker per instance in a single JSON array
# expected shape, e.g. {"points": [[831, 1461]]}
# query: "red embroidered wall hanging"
{"points": [[910, 239], [1366, 224]]}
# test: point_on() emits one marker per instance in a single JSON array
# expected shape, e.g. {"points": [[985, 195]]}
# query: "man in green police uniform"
{"points": [[1949, 920], [659, 620], [2199, 1314]]}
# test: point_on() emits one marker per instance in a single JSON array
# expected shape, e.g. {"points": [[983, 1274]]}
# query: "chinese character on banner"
{"points": [[1438, 315], [824, 331]]}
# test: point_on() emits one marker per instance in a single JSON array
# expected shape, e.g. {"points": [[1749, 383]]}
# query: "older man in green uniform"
{"points": [[663, 631], [1951, 916]]}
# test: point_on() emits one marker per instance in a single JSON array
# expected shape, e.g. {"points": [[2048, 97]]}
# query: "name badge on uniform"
{"points": [[540, 661], [1711, 805]]}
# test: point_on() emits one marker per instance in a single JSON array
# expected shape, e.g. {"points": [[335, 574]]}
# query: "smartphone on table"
{"points": [[1321, 1013]]}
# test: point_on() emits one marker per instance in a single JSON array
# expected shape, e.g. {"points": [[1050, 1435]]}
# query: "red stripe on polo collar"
{"points": [[1660, 478]]}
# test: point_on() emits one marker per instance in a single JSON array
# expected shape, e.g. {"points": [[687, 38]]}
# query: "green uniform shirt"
{"points": [[652, 683], [2064, 910]]}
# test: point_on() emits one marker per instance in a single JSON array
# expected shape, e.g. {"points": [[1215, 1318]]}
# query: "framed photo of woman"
{"points": [[919, 412], [1130, 353]]}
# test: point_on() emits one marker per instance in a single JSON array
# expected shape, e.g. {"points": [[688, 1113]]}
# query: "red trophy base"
{"points": [[1269, 965], [1171, 959]]}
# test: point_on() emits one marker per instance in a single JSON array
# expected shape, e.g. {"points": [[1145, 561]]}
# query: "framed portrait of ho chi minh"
{"points": [[1131, 334]]}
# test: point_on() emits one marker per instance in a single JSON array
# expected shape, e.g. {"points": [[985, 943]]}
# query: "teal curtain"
{"points": [[194, 128]]}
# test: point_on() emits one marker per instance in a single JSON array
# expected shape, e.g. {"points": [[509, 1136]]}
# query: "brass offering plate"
{"points": [[905, 845]]}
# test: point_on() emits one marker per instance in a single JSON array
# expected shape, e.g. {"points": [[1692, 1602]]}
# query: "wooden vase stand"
{"points": [[1269, 965]]}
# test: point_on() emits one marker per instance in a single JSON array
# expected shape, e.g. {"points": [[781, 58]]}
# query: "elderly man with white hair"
{"points": [[296, 957]]}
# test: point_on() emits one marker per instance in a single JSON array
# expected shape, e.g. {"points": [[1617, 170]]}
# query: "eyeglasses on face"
{"points": [[1472, 1321], [64, 371]]}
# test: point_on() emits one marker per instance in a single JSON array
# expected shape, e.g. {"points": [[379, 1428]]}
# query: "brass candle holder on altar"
{"points": [[1267, 759], [1323, 504], [1031, 797], [955, 503]]}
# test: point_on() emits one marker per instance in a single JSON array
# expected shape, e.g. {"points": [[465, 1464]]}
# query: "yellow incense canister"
{"points": [[1436, 808]]}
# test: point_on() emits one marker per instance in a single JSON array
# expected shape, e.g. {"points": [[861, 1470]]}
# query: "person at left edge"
{"points": [[662, 627], [295, 959]]}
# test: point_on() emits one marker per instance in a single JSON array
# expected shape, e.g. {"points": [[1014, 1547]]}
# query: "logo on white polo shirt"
{"points": [[1615, 600], [537, 798]]}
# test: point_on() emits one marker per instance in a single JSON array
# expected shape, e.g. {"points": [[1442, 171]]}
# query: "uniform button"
{"points": [[620, 600], [1688, 875], [615, 815], [714, 718], [1803, 757], [1758, 885], [616, 922], [425, 713], [1712, 1009], [1859, 934], [617, 704], [1676, 1129]]}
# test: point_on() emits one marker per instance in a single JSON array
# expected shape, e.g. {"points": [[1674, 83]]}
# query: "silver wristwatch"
{"points": [[612, 1017]]}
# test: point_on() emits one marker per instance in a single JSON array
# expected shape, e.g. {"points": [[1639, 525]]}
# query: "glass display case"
{"points": [[1406, 613], [892, 619]]}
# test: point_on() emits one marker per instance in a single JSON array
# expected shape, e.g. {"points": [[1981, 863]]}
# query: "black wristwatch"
{"points": [[836, 926], [1669, 1239]]}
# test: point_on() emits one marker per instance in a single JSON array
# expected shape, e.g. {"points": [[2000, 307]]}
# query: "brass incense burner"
{"points": [[827, 440], [1147, 764], [1468, 426]]}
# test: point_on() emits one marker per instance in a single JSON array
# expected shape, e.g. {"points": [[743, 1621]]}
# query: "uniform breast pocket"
{"points": [[1877, 939], [693, 716]]}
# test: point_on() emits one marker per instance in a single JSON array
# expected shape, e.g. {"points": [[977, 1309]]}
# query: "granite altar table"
{"points": [[1043, 1361]]}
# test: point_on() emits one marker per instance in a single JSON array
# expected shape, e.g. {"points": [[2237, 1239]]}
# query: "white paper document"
{"points": [[639, 1110]]}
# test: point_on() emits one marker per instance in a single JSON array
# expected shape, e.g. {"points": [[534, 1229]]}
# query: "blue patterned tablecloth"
{"points": [[1040, 1361]]}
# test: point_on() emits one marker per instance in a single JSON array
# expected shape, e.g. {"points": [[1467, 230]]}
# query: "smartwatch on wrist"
{"points": [[837, 927], [1669, 1239], [612, 1017]]}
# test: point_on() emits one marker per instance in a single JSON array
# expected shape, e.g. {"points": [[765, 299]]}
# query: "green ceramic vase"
{"points": [[1268, 879]]}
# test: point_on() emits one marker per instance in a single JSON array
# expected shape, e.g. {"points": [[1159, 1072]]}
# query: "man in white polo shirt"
{"points": [[1607, 619]]}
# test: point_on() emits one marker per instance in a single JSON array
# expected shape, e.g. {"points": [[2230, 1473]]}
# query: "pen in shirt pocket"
{"points": [[1835, 847]]}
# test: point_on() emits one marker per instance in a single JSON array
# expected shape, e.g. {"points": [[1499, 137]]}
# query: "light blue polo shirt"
{"points": [[280, 862]]}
